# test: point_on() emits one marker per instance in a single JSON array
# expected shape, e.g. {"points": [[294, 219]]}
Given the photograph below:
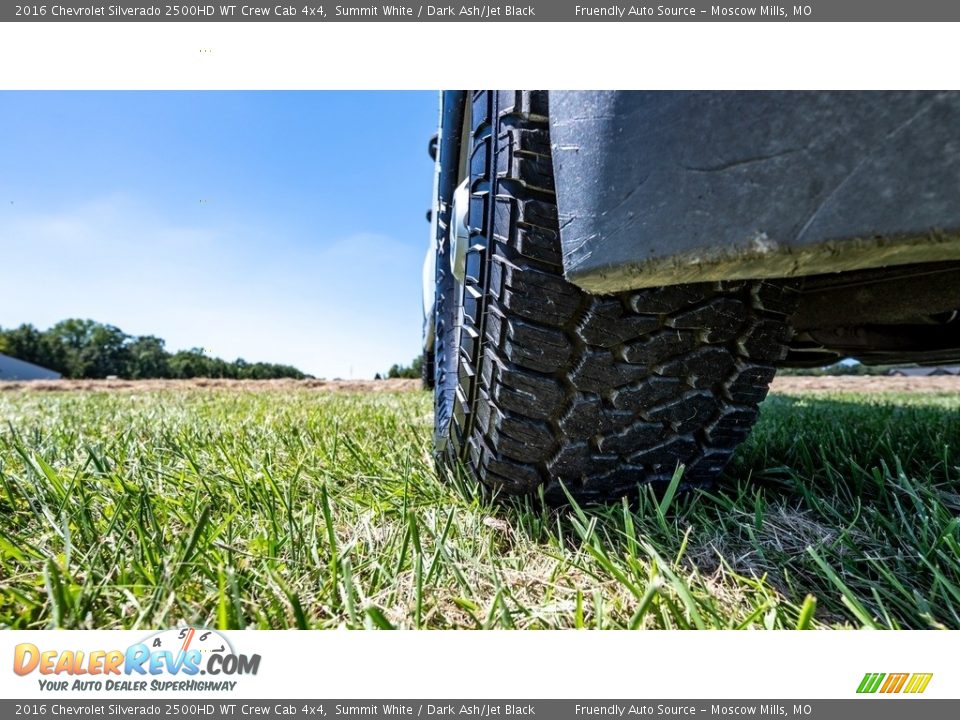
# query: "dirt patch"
{"points": [[788, 385], [797, 385], [394, 385]]}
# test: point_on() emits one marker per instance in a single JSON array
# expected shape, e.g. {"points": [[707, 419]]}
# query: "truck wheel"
{"points": [[539, 383], [427, 371]]}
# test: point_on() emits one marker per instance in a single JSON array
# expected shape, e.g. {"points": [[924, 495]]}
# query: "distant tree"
{"points": [[413, 370], [187, 364], [219, 368], [34, 346], [71, 338], [106, 353], [241, 368], [87, 349], [269, 371], [148, 358]]}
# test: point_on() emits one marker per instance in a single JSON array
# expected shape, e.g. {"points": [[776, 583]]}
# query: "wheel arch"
{"points": [[662, 188]]}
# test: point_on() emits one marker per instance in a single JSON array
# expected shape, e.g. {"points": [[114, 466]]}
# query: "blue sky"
{"points": [[275, 226]]}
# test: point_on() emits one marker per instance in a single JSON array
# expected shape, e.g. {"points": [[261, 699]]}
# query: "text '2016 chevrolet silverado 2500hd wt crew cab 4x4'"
{"points": [[614, 277]]}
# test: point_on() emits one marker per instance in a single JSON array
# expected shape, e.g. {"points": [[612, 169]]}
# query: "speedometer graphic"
{"points": [[183, 639]]}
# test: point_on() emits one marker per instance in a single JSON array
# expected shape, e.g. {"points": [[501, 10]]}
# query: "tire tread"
{"points": [[601, 393]]}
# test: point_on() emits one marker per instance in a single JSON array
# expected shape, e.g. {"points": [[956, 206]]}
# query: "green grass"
{"points": [[280, 509]]}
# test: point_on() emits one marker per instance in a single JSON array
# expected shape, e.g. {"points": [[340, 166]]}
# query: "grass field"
{"points": [[297, 508]]}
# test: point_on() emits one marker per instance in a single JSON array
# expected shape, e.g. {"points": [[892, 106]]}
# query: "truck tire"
{"points": [[426, 370], [540, 383]]}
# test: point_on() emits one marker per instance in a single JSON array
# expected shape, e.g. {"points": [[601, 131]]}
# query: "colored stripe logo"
{"points": [[912, 683]]}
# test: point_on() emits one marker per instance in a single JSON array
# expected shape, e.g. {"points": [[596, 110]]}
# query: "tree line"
{"points": [[413, 370], [84, 349]]}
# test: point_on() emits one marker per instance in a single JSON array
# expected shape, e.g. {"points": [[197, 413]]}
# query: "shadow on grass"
{"points": [[852, 502]]}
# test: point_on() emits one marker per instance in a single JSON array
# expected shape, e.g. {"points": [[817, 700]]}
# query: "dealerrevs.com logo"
{"points": [[168, 660], [890, 683]]}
